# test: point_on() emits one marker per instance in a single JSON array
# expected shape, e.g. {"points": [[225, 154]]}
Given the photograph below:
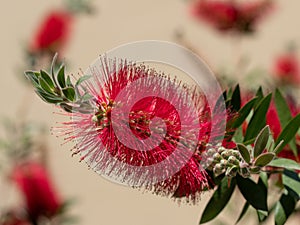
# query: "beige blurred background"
{"points": [[100, 202]]}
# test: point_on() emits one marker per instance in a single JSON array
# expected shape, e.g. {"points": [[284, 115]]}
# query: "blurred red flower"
{"points": [[53, 32], [275, 127], [230, 15], [287, 69], [34, 183], [273, 120]]}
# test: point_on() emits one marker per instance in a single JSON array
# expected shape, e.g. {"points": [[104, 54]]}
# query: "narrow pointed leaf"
{"points": [[264, 159], [47, 79], [243, 113], [284, 208], [260, 95], [292, 183], [219, 200], [66, 107], [32, 75], [86, 97], [285, 163], [244, 210], [69, 93], [61, 77], [45, 86], [262, 215], [82, 79], [261, 141], [282, 108], [52, 68], [236, 99], [254, 193], [68, 82], [284, 114], [258, 120], [48, 98], [277, 148], [244, 152], [288, 132]]}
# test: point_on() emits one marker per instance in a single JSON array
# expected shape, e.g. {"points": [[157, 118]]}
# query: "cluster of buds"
{"points": [[229, 161], [243, 160]]}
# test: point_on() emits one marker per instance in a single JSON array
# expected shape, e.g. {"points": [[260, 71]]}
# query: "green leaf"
{"points": [[282, 108], [259, 95], [264, 159], [244, 152], [261, 141], [263, 177], [48, 98], [33, 76], [47, 79], [254, 193], [291, 183], [277, 148], [61, 77], [86, 97], [45, 86], [52, 68], [69, 93], [83, 78], [68, 82], [219, 200], [284, 114], [288, 132], [244, 210], [285, 163], [258, 120], [262, 215], [236, 99], [284, 208], [66, 107], [243, 113]]}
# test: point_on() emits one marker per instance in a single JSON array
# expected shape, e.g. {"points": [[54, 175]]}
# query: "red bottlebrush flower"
{"points": [[275, 127], [287, 69], [144, 131], [273, 120], [250, 13], [230, 15], [53, 33], [220, 14], [33, 182]]}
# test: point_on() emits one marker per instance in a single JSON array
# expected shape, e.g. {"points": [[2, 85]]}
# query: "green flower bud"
{"points": [[233, 160], [231, 171], [218, 169], [217, 157], [225, 154], [221, 149], [224, 162], [211, 152]]}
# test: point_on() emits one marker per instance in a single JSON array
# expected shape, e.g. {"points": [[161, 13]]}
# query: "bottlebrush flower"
{"points": [[287, 69], [230, 15], [276, 128], [34, 183], [147, 130], [222, 15], [53, 32]]}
